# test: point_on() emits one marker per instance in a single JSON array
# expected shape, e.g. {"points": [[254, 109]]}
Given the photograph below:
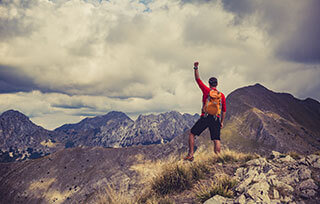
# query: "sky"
{"points": [[62, 61]]}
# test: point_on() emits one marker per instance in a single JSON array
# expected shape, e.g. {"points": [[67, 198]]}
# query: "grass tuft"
{"points": [[221, 185], [229, 156], [112, 196]]}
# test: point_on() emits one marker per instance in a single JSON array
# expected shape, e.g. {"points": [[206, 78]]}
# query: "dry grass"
{"points": [[221, 185], [173, 175], [111, 196], [229, 156]]}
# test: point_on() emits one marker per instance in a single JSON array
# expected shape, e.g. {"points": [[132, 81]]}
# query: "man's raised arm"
{"points": [[196, 72]]}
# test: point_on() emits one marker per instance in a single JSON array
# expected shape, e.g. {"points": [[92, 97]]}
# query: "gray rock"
{"points": [[276, 194], [241, 199], [275, 202], [307, 193], [257, 162], [283, 185], [288, 158], [304, 173], [275, 155], [312, 158], [286, 199], [259, 192], [217, 199], [291, 178], [307, 184]]}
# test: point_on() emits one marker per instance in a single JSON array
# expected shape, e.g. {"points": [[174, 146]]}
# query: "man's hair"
{"points": [[213, 81]]}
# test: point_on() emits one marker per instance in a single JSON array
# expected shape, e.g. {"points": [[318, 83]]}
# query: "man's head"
{"points": [[213, 82]]}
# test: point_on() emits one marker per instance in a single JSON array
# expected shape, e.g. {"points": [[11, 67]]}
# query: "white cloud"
{"points": [[89, 57]]}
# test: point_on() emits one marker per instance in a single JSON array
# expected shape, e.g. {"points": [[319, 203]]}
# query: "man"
{"points": [[213, 122]]}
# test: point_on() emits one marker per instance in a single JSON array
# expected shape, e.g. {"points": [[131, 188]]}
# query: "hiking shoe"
{"points": [[189, 158]]}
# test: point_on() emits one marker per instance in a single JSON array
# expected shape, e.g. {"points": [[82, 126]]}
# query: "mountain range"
{"points": [[22, 139], [258, 120]]}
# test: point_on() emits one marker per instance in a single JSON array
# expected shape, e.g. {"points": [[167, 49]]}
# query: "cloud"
{"points": [[294, 36], [64, 60]]}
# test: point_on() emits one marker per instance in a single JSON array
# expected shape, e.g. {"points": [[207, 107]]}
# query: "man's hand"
{"points": [[196, 64], [221, 125]]}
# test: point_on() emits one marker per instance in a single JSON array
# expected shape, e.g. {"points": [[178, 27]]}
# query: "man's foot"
{"points": [[189, 158]]}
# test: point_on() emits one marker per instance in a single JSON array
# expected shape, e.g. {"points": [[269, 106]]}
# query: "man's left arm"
{"points": [[224, 109]]}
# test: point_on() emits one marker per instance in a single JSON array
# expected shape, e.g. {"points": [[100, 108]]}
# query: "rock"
{"points": [[304, 173], [217, 199], [307, 184], [257, 162], [291, 178], [259, 192], [240, 172], [275, 194], [302, 161], [259, 177], [241, 199], [249, 176], [275, 155], [280, 184], [288, 158], [308, 188], [312, 158], [286, 199], [307, 193], [275, 202]]}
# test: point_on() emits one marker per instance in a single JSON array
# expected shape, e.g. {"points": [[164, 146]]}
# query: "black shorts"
{"points": [[210, 121]]}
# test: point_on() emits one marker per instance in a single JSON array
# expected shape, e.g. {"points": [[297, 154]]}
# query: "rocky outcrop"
{"points": [[278, 179]]}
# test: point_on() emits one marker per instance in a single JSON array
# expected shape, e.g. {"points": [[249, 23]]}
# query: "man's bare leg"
{"points": [[217, 146], [191, 144]]}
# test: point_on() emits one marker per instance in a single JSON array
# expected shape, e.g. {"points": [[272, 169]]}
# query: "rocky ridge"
{"points": [[260, 120], [116, 129], [277, 179]]}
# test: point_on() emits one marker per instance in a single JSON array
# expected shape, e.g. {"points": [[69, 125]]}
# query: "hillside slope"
{"points": [[261, 120]]}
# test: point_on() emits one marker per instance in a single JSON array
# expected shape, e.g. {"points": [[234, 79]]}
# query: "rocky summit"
{"points": [[21, 139], [260, 120], [276, 179]]}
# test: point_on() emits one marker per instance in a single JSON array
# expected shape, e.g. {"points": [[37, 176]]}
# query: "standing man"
{"points": [[213, 102]]}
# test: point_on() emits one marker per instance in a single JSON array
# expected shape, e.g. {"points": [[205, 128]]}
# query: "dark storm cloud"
{"points": [[304, 45], [12, 80], [295, 34], [71, 106]]}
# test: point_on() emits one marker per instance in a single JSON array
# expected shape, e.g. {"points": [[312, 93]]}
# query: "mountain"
{"points": [[261, 120], [258, 120], [116, 129], [75, 175], [21, 139]]}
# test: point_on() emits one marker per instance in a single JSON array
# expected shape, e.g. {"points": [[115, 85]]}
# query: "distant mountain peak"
{"points": [[14, 114], [115, 114]]}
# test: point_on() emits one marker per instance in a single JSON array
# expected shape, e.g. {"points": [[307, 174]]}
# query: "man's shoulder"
{"points": [[222, 95]]}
